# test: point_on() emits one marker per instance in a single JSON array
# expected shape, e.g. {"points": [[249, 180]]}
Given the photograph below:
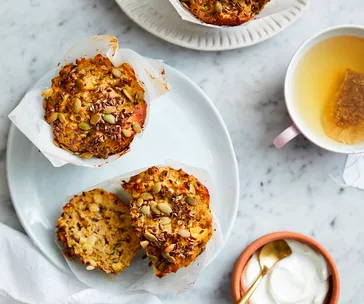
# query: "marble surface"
{"points": [[291, 189]]}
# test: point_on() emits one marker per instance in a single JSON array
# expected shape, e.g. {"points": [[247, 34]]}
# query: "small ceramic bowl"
{"points": [[237, 284]]}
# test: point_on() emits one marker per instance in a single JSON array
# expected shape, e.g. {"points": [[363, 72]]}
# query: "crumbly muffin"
{"points": [[171, 215], [95, 108], [96, 227], [225, 12]]}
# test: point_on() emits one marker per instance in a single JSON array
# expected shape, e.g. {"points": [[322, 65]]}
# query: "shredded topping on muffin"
{"points": [[171, 215], [95, 108]]}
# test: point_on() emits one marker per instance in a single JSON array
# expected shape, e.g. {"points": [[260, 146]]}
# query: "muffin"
{"points": [[225, 12], [95, 109], [96, 227], [171, 215]]}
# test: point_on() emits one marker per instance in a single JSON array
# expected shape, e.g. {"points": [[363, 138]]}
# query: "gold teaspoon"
{"points": [[269, 255]]}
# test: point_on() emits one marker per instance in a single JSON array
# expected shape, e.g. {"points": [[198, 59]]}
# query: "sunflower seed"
{"points": [[90, 267], [76, 105]]}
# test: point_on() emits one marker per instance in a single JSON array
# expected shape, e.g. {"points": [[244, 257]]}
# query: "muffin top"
{"points": [[225, 12], [171, 215], [96, 226], [95, 108]]}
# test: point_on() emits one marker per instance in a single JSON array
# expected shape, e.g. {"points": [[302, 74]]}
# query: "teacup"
{"points": [[300, 126]]}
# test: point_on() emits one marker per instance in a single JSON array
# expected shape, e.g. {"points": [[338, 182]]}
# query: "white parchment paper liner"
{"points": [[28, 116], [139, 276], [273, 7]]}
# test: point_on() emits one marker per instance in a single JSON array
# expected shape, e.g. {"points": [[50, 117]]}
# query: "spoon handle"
{"points": [[252, 289]]}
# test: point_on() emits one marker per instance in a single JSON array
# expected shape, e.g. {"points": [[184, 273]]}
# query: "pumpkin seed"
{"points": [[117, 266], [109, 118], [145, 210], [150, 237], [94, 208], [153, 258], [86, 155], [171, 259], [184, 233], [47, 93], [116, 72], [144, 244], [146, 196], [164, 220], [76, 105], [62, 118], [45, 103], [83, 125], [110, 109], [56, 143], [79, 83], [154, 208], [218, 7], [191, 201], [168, 257], [139, 95], [170, 248], [126, 133], [139, 202], [157, 187], [53, 117], [95, 119], [128, 95], [136, 127], [165, 208]]}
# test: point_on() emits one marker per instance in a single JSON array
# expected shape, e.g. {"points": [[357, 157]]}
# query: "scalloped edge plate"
{"points": [[160, 19]]}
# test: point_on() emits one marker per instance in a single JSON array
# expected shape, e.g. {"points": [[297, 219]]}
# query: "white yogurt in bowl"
{"points": [[301, 278]]}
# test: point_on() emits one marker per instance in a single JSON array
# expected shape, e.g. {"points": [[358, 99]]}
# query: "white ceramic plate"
{"points": [[184, 125], [160, 18]]}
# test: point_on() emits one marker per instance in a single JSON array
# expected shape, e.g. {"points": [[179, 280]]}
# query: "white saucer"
{"points": [[161, 19]]}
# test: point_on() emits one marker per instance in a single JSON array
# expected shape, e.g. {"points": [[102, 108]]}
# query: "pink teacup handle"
{"points": [[286, 136]]}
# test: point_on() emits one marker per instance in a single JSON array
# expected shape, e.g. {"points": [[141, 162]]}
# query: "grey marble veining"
{"points": [[290, 189]]}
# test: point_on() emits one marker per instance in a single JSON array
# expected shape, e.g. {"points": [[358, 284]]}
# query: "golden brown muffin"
{"points": [[95, 108], [96, 226], [225, 12], [171, 215]]}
